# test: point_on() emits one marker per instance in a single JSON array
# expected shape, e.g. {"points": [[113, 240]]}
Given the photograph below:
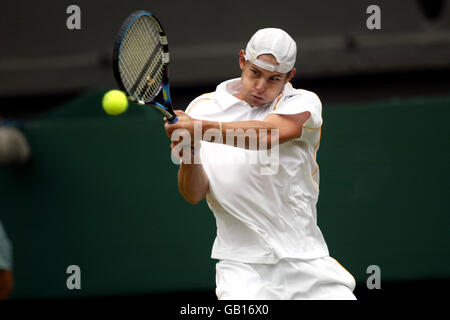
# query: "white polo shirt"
{"points": [[264, 203]]}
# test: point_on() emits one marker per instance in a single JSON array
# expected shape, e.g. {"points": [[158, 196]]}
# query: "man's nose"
{"points": [[261, 85]]}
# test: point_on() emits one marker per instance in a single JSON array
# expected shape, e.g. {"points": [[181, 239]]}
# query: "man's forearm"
{"points": [[253, 135], [192, 182]]}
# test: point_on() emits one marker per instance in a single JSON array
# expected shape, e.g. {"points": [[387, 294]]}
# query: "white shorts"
{"points": [[288, 279]]}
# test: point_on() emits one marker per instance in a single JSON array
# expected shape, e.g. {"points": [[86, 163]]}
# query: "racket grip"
{"points": [[174, 120]]}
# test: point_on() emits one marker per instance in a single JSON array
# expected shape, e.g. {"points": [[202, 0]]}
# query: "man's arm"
{"points": [[6, 283], [246, 134], [280, 127], [192, 182]]}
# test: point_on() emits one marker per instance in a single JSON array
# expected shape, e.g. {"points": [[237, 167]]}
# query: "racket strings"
{"points": [[155, 70], [143, 44], [141, 60], [132, 55], [128, 64], [142, 48]]}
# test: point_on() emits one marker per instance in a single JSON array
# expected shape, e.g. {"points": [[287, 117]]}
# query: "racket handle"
{"points": [[170, 115], [166, 97], [174, 120]]}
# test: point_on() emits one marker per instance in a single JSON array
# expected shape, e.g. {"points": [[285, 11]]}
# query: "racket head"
{"points": [[141, 60]]}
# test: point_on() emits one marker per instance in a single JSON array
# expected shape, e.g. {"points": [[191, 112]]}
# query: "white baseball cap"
{"points": [[275, 42]]}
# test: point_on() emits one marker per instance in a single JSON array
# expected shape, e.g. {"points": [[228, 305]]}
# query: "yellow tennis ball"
{"points": [[115, 102]]}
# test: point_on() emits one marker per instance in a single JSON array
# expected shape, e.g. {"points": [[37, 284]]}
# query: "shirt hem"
{"points": [[270, 259]]}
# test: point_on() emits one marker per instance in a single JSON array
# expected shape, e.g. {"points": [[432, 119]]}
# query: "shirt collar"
{"points": [[225, 93]]}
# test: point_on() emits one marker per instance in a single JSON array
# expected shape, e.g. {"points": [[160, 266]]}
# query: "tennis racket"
{"points": [[141, 62]]}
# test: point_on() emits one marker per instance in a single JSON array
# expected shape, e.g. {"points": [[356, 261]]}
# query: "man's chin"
{"points": [[258, 103]]}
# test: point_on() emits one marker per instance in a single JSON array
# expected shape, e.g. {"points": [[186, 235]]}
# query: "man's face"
{"points": [[259, 86]]}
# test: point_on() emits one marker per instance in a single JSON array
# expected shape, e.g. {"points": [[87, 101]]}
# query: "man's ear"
{"points": [[241, 59], [291, 74]]}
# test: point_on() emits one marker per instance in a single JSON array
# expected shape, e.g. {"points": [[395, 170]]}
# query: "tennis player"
{"points": [[268, 243]]}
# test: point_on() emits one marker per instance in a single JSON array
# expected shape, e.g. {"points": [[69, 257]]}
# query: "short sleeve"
{"points": [[194, 109], [301, 101]]}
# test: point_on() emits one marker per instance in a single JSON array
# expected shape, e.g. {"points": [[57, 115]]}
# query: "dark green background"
{"points": [[101, 193]]}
